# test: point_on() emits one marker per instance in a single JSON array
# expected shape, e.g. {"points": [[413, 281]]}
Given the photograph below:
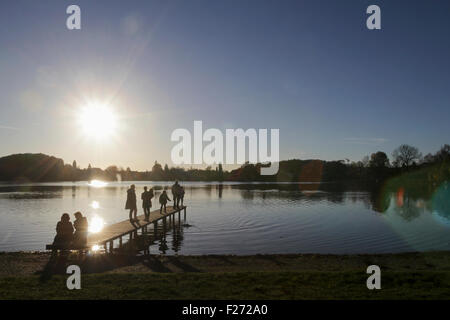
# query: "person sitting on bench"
{"points": [[64, 231], [81, 230]]}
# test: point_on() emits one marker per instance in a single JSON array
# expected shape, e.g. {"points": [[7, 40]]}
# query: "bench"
{"points": [[62, 247]]}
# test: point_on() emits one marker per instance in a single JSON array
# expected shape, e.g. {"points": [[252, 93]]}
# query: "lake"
{"points": [[239, 218]]}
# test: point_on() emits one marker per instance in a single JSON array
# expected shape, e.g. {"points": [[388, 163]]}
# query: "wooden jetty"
{"points": [[117, 231]]}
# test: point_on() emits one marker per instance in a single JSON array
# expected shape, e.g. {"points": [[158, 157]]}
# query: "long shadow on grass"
{"points": [[106, 262], [182, 265], [155, 265], [99, 263]]}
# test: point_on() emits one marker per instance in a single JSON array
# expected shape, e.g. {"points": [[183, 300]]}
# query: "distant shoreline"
{"points": [[44, 168]]}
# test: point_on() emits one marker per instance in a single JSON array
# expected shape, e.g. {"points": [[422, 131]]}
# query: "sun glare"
{"points": [[97, 121], [95, 205], [96, 224], [97, 184]]}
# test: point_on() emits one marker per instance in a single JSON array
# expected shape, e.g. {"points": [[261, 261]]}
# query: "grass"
{"points": [[232, 285], [403, 276]]}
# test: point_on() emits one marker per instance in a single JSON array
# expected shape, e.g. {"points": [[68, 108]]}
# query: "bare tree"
{"points": [[365, 161], [406, 155]]}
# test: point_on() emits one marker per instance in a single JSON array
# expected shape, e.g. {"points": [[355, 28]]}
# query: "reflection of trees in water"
{"points": [[220, 189], [379, 201], [412, 196], [248, 194], [409, 210], [334, 197], [408, 204], [31, 192]]}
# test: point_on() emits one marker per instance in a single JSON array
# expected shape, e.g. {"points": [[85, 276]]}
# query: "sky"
{"points": [[311, 69]]}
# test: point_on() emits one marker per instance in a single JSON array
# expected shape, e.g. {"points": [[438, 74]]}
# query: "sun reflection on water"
{"points": [[96, 224], [97, 184], [95, 205]]}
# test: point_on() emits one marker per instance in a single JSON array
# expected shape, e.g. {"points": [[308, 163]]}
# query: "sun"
{"points": [[97, 121]]}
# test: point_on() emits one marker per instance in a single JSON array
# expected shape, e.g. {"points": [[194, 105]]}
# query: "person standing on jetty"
{"points": [[182, 195], [151, 194], [131, 203], [146, 203], [163, 201], [176, 194]]}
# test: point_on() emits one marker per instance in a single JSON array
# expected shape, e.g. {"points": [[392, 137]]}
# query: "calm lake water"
{"points": [[238, 218]]}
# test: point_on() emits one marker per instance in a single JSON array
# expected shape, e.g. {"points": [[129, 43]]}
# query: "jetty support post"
{"points": [[164, 226], [173, 221]]}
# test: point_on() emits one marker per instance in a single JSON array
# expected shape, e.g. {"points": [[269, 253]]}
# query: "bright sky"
{"points": [[310, 68]]}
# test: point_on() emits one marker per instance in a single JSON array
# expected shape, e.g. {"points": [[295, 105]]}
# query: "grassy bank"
{"points": [[404, 276]]}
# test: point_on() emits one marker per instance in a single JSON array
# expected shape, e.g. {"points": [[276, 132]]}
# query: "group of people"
{"points": [[73, 235], [147, 196], [178, 195]]}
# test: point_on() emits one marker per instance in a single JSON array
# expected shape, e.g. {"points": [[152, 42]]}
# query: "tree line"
{"points": [[374, 168]]}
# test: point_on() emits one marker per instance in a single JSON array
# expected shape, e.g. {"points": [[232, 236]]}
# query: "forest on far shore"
{"points": [[377, 167]]}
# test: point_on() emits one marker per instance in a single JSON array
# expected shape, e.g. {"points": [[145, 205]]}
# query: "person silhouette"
{"points": [[151, 194], [163, 201], [182, 196], [176, 194], [81, 230], [146, 203], [131, 203], [64, 231]]}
